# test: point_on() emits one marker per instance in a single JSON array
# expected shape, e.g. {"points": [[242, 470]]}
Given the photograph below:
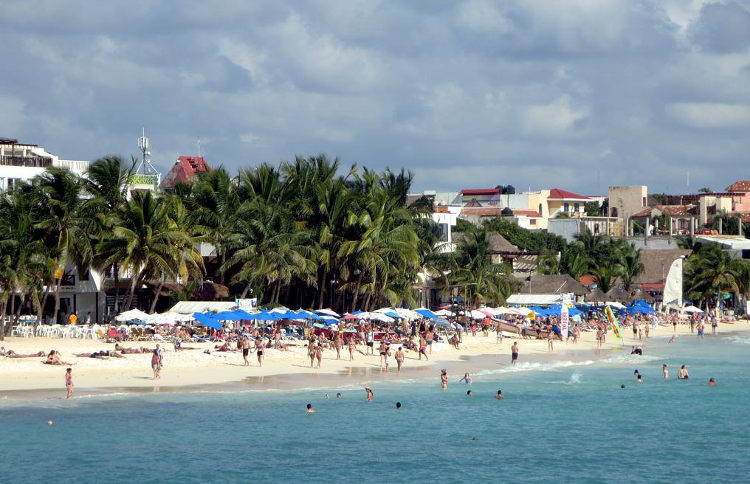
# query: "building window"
{"points": [[643, 203], [566, 207], [577, 207], [540, 209], [532, 221]]}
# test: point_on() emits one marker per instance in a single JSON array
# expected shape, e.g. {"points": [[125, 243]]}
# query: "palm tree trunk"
{"points": [[12, 304], [322, 289], [246, 290], [356, 291], [4, 304], [156, 296], [116, 273], [57, 301], [367, 301], [131, 293]]}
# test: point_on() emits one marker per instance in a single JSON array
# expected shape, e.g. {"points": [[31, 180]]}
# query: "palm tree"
{"points": [[60, 217], [606, 276], [711, 271], [631, 266], [148, 239]]}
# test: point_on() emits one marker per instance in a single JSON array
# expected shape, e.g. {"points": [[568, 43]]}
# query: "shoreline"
{"points": [[192, 371]]}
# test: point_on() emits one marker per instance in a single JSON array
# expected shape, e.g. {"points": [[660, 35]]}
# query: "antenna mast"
{"points": [[145, 167]]}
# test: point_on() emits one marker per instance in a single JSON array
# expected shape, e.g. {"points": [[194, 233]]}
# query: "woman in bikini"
{"points": [[319, 354], [259, 346], [443, 379], [352, 347], [422, 347], [311, 352]]}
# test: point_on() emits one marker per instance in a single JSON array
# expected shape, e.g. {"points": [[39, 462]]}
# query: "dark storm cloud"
{"points": [[534, 93]]}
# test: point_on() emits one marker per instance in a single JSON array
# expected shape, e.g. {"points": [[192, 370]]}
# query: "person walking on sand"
{"points": [[514, 353], [337, 343], [155, 366], [319, 354], [311, 352], [244, 345], [429, 338], [383, 350], [422, 347], [352, 347], [259, 346], [399, 358], [69, 382], [443, 379], [550, 344], [665, 371]]}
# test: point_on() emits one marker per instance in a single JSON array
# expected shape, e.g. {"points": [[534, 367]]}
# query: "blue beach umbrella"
{"points": [[208, 320], [426, 313]]}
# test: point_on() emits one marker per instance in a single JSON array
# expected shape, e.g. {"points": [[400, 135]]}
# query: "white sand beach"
{"points": [[194, 367]]}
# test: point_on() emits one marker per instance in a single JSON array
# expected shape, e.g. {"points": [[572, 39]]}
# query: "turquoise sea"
{"points": [[562, 420]]}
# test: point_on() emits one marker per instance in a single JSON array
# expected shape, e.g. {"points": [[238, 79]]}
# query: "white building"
{"points": [[23, 161]]}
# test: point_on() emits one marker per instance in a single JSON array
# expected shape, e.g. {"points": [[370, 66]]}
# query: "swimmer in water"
{"points": [[370, 395], [468, 393], [443, 379], [665, 371], [466, 378], [309, 408], [338, 395], [398, 405], [683, 373], [499, 395], [711, 382]]}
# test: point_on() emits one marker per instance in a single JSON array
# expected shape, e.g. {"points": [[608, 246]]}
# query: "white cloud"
{"points": [[710, 115], [483, 16], [554, 119]]}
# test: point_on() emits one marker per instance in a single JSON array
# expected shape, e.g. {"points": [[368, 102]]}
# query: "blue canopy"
{"points": [[557, 308], [265, 316], [442, 322], [392, 315], [329, 320], [355, 313], [236, 315], [426, 313], [208, 320]]}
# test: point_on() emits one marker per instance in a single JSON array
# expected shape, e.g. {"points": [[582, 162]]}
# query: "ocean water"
{"points": [[561, 421]]}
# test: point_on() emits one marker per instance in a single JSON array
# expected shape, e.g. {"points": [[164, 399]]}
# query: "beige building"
{"points": [[624, 202]]}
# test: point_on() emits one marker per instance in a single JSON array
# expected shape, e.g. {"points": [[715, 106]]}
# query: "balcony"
{"points": [[26, 161]]}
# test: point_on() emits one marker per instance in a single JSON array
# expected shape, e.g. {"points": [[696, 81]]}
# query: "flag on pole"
{"points": [[613, 321], [564, 317]]}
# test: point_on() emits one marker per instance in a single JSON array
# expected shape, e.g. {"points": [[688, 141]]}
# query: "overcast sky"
{"points": [[574, 94]]}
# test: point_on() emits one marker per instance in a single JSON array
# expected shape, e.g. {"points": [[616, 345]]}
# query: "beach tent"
{"points": [[426, 313], [208, 320], [236, 315], [190, 307], [693, 309], [169, 318], [264, 316], [327, 312], [132, 315]]}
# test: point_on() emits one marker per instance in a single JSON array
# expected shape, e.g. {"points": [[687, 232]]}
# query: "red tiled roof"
{"points": [[587, 280], [652, 285], [527, 213], [671, 210], [739, 186], [184, 170], [481, 191], [482, 211], [745, 216], [557, 194]]}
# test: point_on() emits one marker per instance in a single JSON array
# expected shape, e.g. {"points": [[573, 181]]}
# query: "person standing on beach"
{"points": [[443, 379], [399, 358], [514, 353], [243, 345], [259, 346], [338, 343], [499, 338], [155, 366], [422, 347], [429, 338], [383, 350], [319, 354], [352, 347], [550, 344], [714, 324], [701, 329], [311, 352], [370, 350], [69, 382]]}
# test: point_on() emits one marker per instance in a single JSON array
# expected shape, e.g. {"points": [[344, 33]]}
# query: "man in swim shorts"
{"points": [[514, 353]]}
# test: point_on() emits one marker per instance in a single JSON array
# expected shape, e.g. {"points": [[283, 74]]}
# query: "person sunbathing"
{"points": [[53, 358], [225, 347], [131, 351], [102, 355], [13, 354]]}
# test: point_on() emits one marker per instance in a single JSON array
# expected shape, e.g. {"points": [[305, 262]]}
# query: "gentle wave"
{"points": [[742, 340]]}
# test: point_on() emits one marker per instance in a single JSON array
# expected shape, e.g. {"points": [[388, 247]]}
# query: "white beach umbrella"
{"points": [[328, 312], [132, 315], [692, 309], [444, 312], [476, 314], [407, 314], [376, 316]]}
